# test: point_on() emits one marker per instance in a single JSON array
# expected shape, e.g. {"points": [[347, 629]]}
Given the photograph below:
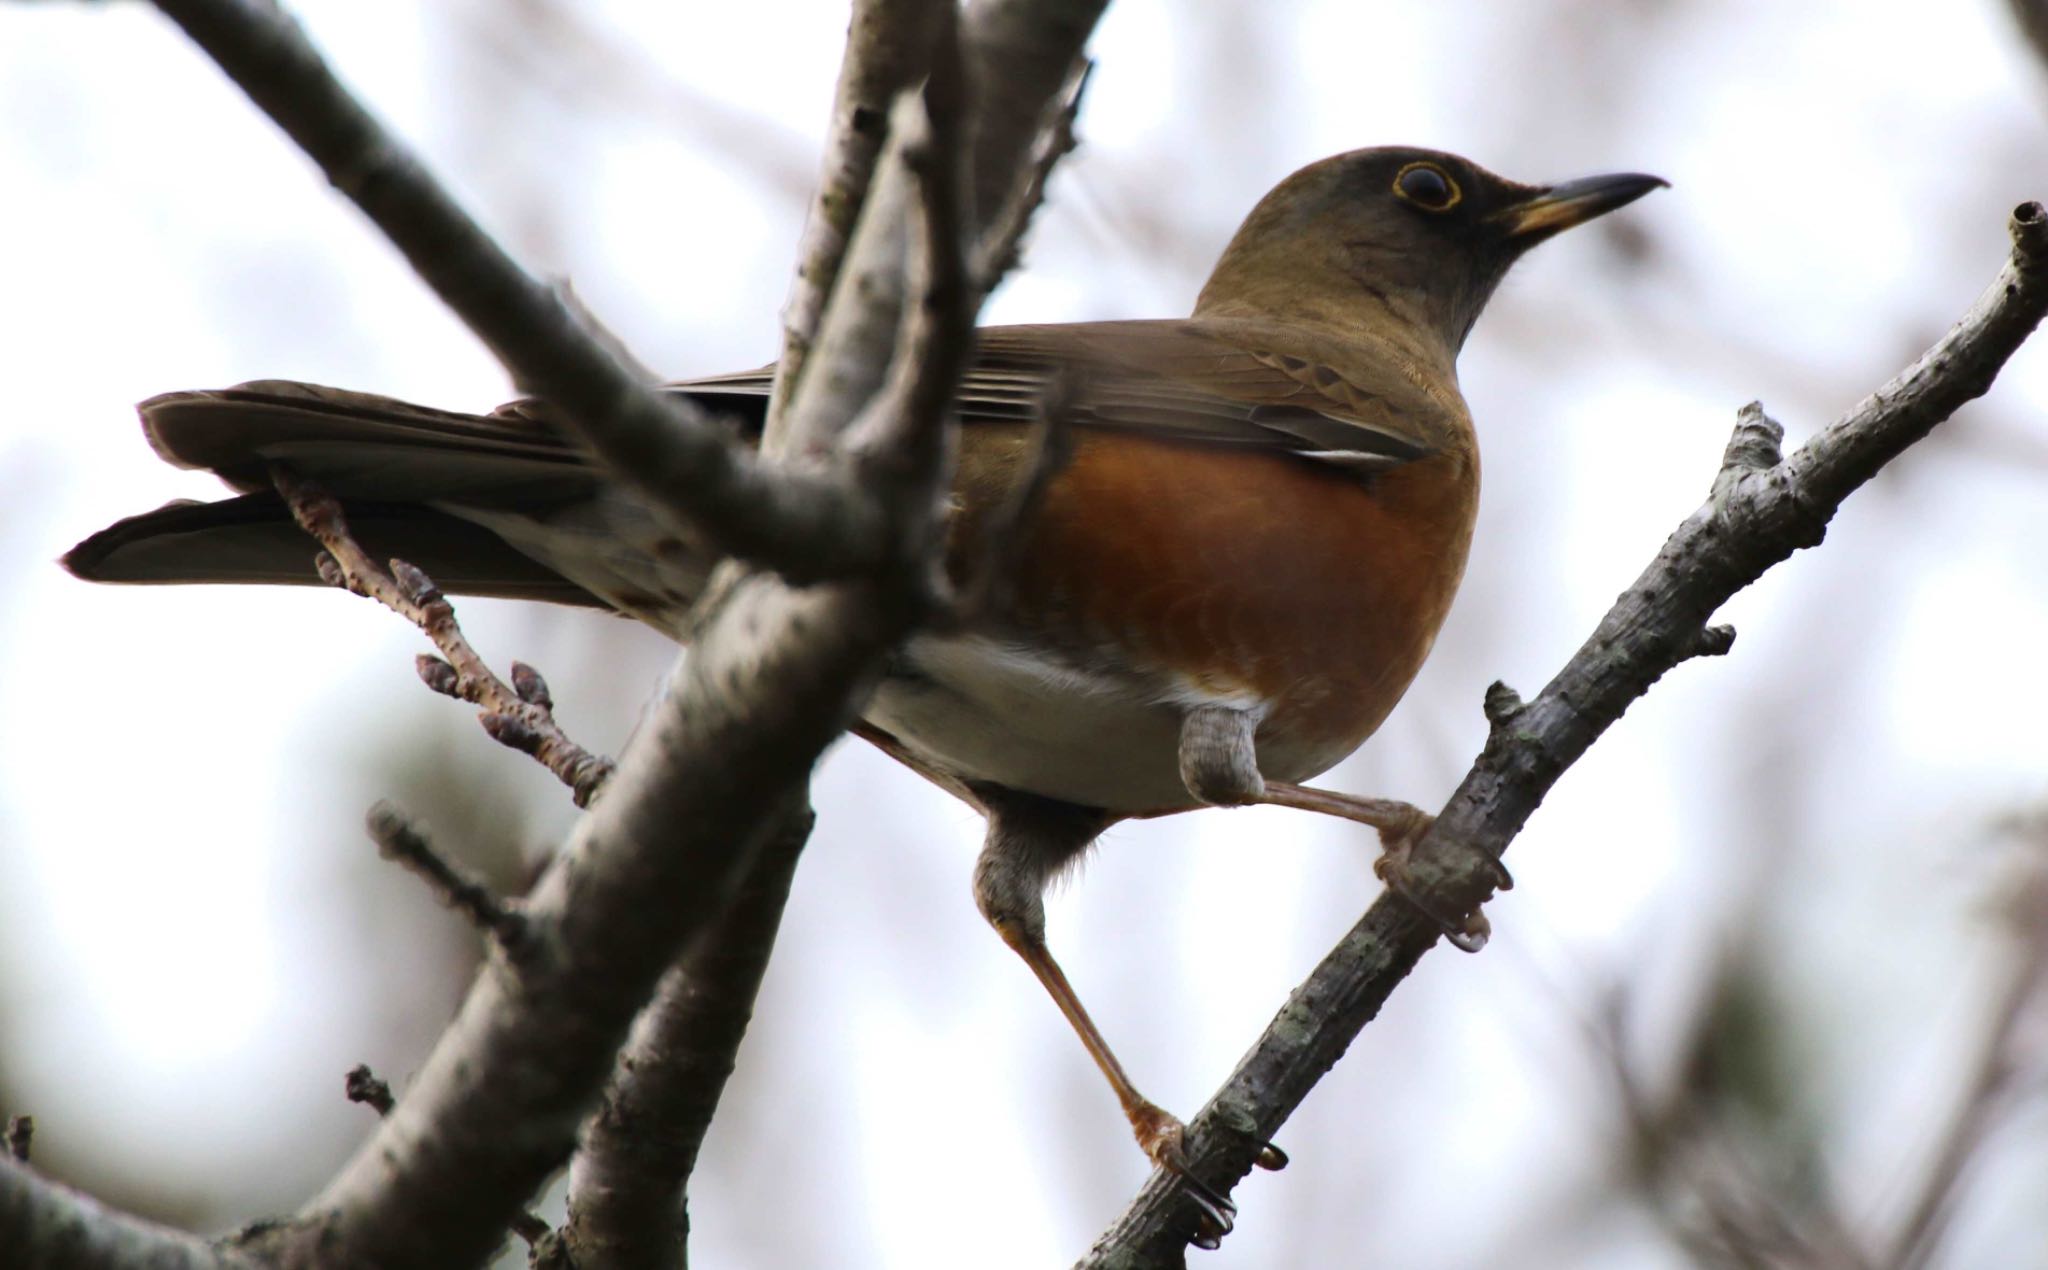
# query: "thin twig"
{"points": [[363, 1086], [398, 839], [519, 715], [1760, 512]]}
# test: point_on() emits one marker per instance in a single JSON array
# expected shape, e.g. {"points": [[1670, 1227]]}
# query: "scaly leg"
{"points": [[1030, 840]]}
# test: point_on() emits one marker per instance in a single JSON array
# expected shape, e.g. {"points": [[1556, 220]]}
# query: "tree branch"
{"points": [[399, 839], [880, 64], [809, 525], [53, 1227], [519, 715], [775, 673], [630, 1174], [626, 1186], [1760, 511], [1021, 54]]}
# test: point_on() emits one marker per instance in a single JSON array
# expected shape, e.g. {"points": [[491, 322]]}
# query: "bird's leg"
{"points": [[1219, 759], [1219, 763], [1030, 839], [1401, 825]]}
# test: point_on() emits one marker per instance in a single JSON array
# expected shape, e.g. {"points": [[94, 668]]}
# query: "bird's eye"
{"points": [[1427, 186]]}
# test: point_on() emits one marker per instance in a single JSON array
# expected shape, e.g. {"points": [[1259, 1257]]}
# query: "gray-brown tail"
{"points": [[393, 465]]}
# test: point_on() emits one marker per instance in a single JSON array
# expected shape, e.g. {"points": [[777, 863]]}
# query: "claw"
{"points": [[1502, 879], [1471, 935], [1219, 1215], [1271, 1158], [1467, 934], [1159, 1136]]}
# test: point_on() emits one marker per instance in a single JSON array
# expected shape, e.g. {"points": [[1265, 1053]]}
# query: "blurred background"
{"points": [[1768, 989]]}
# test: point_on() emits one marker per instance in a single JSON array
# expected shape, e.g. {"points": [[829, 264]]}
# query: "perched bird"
{"points": [[1259, 527]]}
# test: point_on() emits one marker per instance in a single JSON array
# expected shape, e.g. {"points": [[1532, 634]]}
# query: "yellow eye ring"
{"points": [[1427, 186]]}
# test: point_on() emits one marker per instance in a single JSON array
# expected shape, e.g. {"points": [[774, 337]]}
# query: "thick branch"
{"points": [[53, 1227], [1021, 53], [495, 1108], [1761, 511], [626, 1186], [880, 63], [808, 524], [774, 675], [630, 1174]]}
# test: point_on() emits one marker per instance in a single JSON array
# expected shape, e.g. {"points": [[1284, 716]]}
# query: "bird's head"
{"points": [[1396, 235]]}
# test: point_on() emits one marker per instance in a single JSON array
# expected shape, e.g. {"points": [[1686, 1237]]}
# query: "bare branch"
{"points": [[809, 525], [630, 1176], [397, 838], [519, 715], [627, 1183], [775, 673], [1021, 54], [1759, 513], [777, 669], [880, 64], [53, 1227], [999, 250]]}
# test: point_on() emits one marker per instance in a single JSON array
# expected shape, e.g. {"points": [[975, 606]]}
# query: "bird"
{"points": [[1256, 527]]}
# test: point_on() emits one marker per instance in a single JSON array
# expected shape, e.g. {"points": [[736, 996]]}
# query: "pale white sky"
{"points": [[196, 941]]}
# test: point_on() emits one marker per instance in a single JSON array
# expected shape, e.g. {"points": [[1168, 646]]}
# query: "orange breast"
{"points": [[1316, 590]]}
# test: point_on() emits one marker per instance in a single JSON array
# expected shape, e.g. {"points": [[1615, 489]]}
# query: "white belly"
{"points": [[996, 711]]}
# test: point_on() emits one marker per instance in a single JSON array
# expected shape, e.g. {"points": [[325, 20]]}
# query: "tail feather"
{"points": [[360, 445], [253, 539], [392, 464]]}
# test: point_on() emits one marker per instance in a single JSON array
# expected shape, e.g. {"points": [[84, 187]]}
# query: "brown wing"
{"points": [[1206, 382], [1198, 382]]}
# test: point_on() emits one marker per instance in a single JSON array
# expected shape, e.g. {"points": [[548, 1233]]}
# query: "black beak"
{"points": [[1559, 207]]}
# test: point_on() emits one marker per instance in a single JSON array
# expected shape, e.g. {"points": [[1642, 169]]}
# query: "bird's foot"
{"points": [[1401, 825], [1160, 1136], [1398, 837]]}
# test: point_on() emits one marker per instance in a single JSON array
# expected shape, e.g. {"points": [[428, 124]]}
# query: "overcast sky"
{"points": [[196, 940]]}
